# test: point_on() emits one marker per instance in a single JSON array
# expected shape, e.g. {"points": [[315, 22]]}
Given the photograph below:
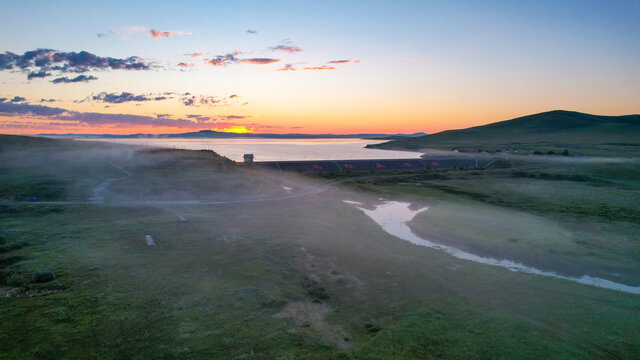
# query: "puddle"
{"points": [[149, 240], [393, 216]]}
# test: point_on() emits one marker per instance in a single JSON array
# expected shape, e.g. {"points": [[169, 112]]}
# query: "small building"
{"points": [[467, 150], [248, 158]]}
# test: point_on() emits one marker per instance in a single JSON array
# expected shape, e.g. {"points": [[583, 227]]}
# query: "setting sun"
{"points": [[239, 129]]}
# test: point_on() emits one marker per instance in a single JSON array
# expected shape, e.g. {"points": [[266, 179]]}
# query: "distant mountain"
{"points": [[210, 134], [556, 128]]}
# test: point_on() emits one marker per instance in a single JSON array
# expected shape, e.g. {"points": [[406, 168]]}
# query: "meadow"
{"points": [[307, 277]]}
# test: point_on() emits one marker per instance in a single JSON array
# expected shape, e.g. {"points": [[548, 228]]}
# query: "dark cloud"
{"points": [[3, 100], [39, 74], [114, 98], [124, 97], [12, 109], [18, 99], [79, 78], [200, 117], [91, 118], [8, 60], [40, 63], [222, 60], [252, 31], [187, 99], [286, 48], [193, 100], [63, 117], [233, 117], [48, 100]]}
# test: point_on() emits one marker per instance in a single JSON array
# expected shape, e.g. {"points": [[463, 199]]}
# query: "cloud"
{"points": [[157, 34], [291, 67], [195, 54], [18, 99], [184, 64], [152, 33], [287, 67], [222, 60], [48, 100], [251, 31], [258, 61], [42, 63], [233, 96], [79, 78], [323, 67], [343, 61], [286, 48], [231, 58]]}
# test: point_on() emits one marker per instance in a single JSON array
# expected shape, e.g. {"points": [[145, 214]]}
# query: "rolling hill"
{"points": [[588, 134]]}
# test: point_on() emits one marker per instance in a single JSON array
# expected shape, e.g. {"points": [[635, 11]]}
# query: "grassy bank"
{"points": [[309, 277]]}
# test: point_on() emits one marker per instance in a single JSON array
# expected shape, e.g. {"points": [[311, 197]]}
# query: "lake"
{"points": [[277, 149]]}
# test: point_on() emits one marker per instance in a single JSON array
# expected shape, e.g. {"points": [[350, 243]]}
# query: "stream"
{"points": [[393, 216]]}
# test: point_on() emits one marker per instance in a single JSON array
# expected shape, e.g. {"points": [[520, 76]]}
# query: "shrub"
{"points": [[372, 328], [42, 275], [7, 248], [15, 280]]}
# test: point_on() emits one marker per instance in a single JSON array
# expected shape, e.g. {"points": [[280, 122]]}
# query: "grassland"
{"points": [[553, 131], [309, 277]]}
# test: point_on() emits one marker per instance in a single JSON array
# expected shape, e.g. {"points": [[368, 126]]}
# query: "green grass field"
{"points": [[309, 277]]}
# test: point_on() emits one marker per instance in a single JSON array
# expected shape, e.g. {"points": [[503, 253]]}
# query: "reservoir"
{"points": [[277, 149]]}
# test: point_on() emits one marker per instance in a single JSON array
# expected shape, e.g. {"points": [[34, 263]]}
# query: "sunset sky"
{"points": [[314, 67]]}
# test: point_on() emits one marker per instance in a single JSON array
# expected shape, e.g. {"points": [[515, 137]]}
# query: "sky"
{"points": [[339, 67]]}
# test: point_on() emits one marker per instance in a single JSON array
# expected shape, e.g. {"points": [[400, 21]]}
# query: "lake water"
{"points": [[278, 149]]}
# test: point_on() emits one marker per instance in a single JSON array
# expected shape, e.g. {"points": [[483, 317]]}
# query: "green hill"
{"points": [[548, 131]]}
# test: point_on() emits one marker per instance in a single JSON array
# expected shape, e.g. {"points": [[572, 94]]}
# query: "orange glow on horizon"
{"points": [[238, 129]]}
